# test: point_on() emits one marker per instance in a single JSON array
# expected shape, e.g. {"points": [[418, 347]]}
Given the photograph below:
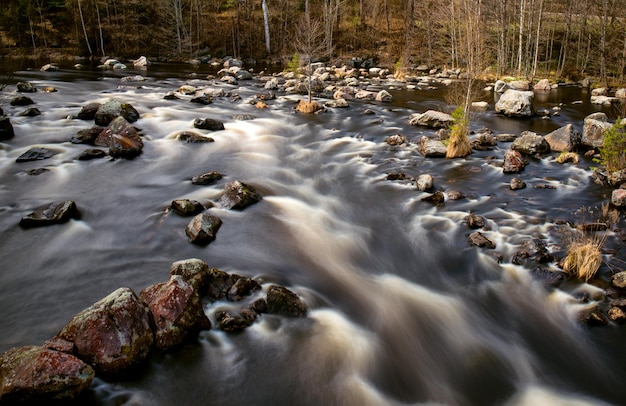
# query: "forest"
{"points": [[560, 39]]}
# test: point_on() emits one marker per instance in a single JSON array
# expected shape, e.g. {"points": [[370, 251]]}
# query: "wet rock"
{"points": [[49, 89], [338, 103], [564, 139], [542, 85], [618, 198], [122, 139], [238, 195], [475, 221], [203, 228], [207, 178], [52, 213], [193, 270], [548, 277], [431, 148], [537, 250], [284, 302], [514, 162], [617, 314], [203, 99], [230, 322], [6, 128], [87, 136], [477, 239], [38, 375], [186, 207], [515, 103], [241, 287], [37, 171], [113, 334], [431, 119], [517, 184], [30, 112], [384, 96], [454, 195], [593, 316], [397, 176], [193, 137], [218, 284], [243, 117], [132, 79], [25, 87], [424, 182], [88, 111], [522, 85], [36, 154], [484, 140], [92, 153], [594, 127], [529, 143], [397, 139], [437, 198], [619, 280], [208, 124], [506, 137], [22, 101], [113, 109], [177, 311]]}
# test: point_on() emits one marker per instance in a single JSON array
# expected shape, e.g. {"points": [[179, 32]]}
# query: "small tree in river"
{"points": [[310, 43]]}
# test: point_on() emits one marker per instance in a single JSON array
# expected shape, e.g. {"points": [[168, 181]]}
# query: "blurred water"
{"points": [[404, 311]]}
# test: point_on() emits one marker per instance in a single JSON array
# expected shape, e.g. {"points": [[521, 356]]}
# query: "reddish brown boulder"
{"points": [[193, 270], [177, 311], [113, 334], [122, 139], [284, 302], [39, 375], [203, 228], [513, 161]]}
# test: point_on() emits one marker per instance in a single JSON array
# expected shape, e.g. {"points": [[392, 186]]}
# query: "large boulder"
{"points": [[203, 228], [25, 87], [193, 270], [38, 375], [122, 139], [6, 128], [515, 103], [501, 86], [113, 334], [432, 119], [238, 195], [530, 143], [564, 139], [52, 213], [88, 111], [177, 311], [594, 127], [112, 109], [431, 148], [542, 85]]}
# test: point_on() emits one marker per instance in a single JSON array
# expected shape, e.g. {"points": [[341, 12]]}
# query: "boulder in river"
{"points": [[424, 182], [230, 322], [187, 207], [87, 136], [193, 270], [52, 213], [238, 195], [36, 154], [431, 148], [21, 101], [122, 139], [432, 119], [284, 302], [479, 240], [530, 143], [177, 311], [38, 375], [203, 228], [543, 85], [207, 178], [514, 162], [113, 334], [208, 124], [112, 109], [515, 103], [25, 87], [564, 139], [88, 111], [594, 127], [618, 198], [6, 128], [193, 137]]}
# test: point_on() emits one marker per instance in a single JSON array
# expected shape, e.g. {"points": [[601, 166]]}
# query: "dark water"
{"points": [[403, 310]]}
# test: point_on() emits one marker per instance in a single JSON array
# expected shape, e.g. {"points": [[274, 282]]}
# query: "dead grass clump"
{"points": [[308, 107], [583, 259]]}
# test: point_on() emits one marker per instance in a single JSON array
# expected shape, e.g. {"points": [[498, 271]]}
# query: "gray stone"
{"points": [[594, 127], [515, 103], [529, 143], [431, 148], [203, 228], [238, 195], [110, 110], [424, 182], [432, 119]]}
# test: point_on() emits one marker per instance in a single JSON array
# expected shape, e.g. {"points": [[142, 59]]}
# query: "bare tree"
{"points": [[310, 43]]}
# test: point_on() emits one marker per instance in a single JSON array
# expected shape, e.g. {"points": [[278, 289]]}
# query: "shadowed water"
{"points": [[403, 310]]}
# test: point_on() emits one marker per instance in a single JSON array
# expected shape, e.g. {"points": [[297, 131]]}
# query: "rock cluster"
{"points": [[119, 332]]}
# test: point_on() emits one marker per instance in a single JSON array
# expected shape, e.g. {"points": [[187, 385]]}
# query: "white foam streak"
{"points": [[539, 396]]}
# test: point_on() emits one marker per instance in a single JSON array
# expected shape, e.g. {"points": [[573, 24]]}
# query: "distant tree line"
{"points": [[560, 38]]}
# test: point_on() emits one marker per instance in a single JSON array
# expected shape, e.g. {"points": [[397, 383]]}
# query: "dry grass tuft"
{"points": [[308, 107], [583, 259], [458, 147]]}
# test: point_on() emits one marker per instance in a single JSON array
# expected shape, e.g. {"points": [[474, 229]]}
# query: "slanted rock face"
{"points": [[177, 311], [39, 375], [513, 162], [53, 213], [122, 139], [515, 103], [284, 302], [203, 228], [88, 111], [238, 195], [530, 143], [564, 139], [113, 334], [431, 148], [6, 128], [432, 119], [115, 108]]}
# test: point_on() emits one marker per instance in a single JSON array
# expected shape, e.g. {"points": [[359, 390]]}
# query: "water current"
{"points": [[403, 311]]}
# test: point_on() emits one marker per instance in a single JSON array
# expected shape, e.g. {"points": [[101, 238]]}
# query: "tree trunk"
{"points": [[82, 21], [266, 24]]}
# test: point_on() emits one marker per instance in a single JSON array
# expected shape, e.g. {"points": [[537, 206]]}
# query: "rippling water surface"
{"points": [[403, 310]]}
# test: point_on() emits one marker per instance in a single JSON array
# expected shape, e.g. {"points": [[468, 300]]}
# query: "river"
{"points": [[403, 311]]}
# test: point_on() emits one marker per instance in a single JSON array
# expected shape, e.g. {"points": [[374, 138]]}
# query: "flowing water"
{"points": [[402, 310]]}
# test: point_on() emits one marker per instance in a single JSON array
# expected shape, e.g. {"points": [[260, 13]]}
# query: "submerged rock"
{"points": [[238, 195], [6, 128], [113, 334], [38, 375], [208, 124], [176, 308], [203, 228], [207, 178], [92, 153], [36, 154], [193, 137], [186, 207], [284, 302], [52, 213]]}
